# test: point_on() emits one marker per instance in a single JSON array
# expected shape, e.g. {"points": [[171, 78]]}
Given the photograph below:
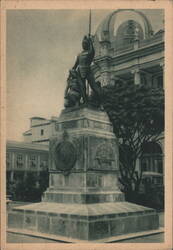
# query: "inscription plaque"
{"points": [[105, 156]]}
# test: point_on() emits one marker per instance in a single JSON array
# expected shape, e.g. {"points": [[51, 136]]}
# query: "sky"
{"points": [[41, 47]]}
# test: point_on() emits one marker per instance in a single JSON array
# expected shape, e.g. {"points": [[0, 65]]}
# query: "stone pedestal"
{"points": [[83, 200]]}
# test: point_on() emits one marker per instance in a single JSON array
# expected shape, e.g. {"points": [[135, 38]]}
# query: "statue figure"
{"points": [[79, 74], [72, 94], [83, 68]]}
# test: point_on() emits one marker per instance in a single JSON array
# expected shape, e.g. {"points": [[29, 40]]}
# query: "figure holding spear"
{"points": [[83, 65]]}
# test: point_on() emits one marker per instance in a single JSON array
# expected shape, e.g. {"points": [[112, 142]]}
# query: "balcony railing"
{"points": [[138, 44], [152, 40]]}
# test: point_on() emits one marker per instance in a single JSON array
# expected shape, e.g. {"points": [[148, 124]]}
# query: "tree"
{"points": [[27, 189], [137, 115], [44, 180]]}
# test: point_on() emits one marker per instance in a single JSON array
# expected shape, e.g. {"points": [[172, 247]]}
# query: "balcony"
{"points": [[138, 44]]}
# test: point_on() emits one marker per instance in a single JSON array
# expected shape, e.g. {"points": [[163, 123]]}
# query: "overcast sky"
{"points": [[41, 48]]}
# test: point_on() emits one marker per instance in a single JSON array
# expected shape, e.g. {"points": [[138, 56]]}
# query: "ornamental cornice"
{"points": [[130, 55], [140, 52], [102, 59]]}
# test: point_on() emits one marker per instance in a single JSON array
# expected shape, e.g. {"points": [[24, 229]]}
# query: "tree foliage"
{"points": [[29, 188], [137, 115]]}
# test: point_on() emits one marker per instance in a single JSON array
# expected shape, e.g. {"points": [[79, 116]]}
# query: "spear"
{"points": [[87, 89], [89, 22]]}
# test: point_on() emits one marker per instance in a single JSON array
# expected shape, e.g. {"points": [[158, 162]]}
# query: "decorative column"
{"points": [[12, 166], [136, 44], [25, 165], [38, 165], [112, 80], [11, 176], [137, 77]]}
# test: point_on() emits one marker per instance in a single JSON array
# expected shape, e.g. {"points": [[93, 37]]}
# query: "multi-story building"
{"points": [[39, 132], [24, 158], [129, 50]]}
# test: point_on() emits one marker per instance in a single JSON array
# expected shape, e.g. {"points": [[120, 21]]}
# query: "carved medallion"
{"points": [[65, 155]]}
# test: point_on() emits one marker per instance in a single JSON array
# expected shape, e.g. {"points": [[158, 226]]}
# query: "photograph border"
{"points": [[81, 4]]}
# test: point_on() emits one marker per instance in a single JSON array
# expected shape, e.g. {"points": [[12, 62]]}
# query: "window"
{"points": [[32, 157], [19, 157], [42, 131], [144, 165], [19, 160], [152, 157], [32, 161]]}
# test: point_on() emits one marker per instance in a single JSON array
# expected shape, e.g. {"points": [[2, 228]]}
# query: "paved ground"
{"points": [[157, 238], [16, 238]]}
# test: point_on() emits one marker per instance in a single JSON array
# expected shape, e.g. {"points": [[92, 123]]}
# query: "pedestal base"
{"points": [[84, 221], [83, 200]]}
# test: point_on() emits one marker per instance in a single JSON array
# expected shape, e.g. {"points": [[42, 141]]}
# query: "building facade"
{"points": [[24, 158], [39, 132], [127, 49]]}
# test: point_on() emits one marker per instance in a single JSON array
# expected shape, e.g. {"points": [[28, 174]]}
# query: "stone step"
{"points": [[78, 197], [84, 221]]}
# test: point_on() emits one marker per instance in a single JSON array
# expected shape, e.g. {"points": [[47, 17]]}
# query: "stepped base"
{"points": [[119, 238], [84, 221], [82, 197]]}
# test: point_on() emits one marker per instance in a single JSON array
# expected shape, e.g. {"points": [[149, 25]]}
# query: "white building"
{"points": [[40, 130]]}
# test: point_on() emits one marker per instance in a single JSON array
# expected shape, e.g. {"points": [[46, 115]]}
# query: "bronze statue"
{"points": [[83, 67], [79, 74]]}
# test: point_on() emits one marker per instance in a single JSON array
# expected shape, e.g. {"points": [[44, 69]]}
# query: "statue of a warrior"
{"points": [[79, 74], [83, 67]]}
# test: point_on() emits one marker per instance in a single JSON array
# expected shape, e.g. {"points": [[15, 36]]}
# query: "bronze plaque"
{"points": [[65, 156]]}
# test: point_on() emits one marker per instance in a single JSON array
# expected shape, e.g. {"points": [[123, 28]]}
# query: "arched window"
{"points": [[128, 32]]}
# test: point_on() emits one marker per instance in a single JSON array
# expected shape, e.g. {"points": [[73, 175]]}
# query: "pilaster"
{"points": [[137, 76]]}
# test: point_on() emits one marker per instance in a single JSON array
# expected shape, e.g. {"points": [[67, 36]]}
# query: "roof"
{"points": [[37, 118], [28, 132], [25, 145], [107, 27]]}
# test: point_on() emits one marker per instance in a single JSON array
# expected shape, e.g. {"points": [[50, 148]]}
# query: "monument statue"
{"points": [[82, 65], [80, 74]]}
